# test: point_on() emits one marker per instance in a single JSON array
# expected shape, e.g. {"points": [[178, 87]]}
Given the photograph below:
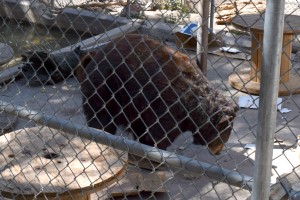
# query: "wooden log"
{"points": [[100, 4], [97, 41], [10, 73]]}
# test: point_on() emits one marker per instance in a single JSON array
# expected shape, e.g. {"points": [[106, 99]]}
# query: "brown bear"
{"points": [[156, 93]]}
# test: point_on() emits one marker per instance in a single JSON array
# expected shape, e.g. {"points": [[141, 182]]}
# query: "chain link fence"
{"points": [[106, 100]]}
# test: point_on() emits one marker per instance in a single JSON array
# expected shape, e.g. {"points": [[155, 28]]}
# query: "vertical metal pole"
{"points": [[52, 5], [212, 14], [199, 8], [202, 34], [272, 48], [205, 37], [128, 14]]}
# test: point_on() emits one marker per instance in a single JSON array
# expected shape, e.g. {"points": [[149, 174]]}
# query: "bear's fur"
{"points": [[84, 61], [42, 68], [156, 93]]}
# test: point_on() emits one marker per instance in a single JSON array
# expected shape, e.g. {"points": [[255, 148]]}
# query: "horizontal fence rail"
{"points": [[138, 149]]}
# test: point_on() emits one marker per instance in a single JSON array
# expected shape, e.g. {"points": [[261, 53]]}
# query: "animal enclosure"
{"points": [[145, 100]]}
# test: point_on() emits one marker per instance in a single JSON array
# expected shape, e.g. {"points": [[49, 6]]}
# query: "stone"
{"points": [[9, 74], [6, 53]]}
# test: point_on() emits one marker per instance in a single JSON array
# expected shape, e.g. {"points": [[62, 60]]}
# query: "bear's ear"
{"points": [[78, 51], [224, 122], [80, 72]]}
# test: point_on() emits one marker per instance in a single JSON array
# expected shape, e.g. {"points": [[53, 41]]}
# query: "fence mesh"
{"points": [[130, 70]]}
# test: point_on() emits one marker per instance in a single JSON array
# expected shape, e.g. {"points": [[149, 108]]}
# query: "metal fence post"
{"points": [[272, 48], [128, 10], [202, 35], [212, 15]]}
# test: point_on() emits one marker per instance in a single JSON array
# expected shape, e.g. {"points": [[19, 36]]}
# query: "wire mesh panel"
{"points": [[130, 71]]}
